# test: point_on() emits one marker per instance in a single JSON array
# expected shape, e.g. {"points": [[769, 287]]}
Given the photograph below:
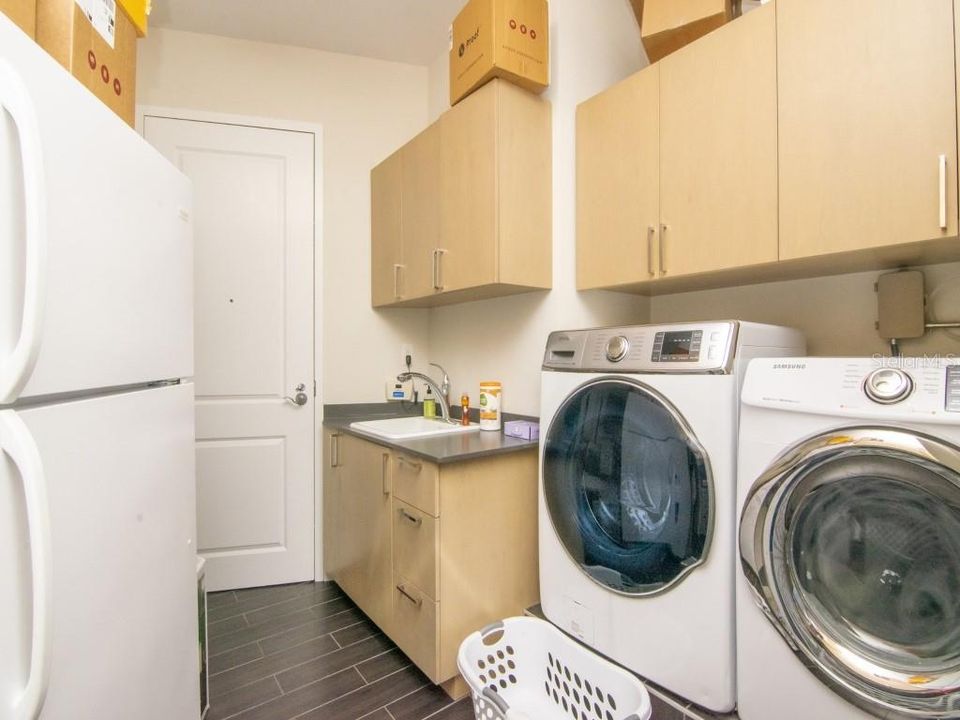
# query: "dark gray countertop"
{"points": [[441, 450]]}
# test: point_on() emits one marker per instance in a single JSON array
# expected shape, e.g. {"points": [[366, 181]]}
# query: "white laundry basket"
{"points": [[526, 669]]}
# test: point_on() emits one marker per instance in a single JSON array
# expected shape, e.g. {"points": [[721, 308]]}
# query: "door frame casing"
{"points": [[315, 129]]}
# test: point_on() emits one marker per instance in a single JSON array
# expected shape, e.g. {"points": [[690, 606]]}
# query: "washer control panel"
{"points": [[617, 348], [677, 346], [888, 385], [701, 347], [952, 403]]}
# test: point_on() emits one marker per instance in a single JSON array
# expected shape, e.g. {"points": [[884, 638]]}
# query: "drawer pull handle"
{"points": [[410, 518], [410, 463], [403, 591], [384, 462], [651, 230], [942, 167], [335, 450]]}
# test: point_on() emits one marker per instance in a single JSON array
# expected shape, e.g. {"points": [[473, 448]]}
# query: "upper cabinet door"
{"points": [[386, 181], [867, 111], [718, 149], [421, 212], [468, 246], [618, 182]]}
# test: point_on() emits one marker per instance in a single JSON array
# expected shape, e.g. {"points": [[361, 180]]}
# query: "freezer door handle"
{"points": [[18, 444], [15, 100]]}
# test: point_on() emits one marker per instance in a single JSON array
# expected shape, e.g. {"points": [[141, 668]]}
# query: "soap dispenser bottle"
{"points": [[429, 404]]}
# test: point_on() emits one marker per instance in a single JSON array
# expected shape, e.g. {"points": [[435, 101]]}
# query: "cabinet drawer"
{"points": [[415, 618], [416, 546], [416, 483]]}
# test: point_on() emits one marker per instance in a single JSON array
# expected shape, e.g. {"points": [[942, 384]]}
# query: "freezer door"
{"points": [[118, 474], [96, 256]]}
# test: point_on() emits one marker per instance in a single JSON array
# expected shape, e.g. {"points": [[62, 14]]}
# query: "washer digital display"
{"points": [[677, 346], [953, 388]]}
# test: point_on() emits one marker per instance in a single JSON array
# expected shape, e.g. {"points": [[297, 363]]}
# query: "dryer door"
{"points": [[627, 486], [851, 544]]}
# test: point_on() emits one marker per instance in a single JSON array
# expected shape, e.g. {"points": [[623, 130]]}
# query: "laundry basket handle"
{"points": [[495, 698]]}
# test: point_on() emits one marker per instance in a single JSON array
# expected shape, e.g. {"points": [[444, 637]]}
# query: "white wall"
{"points": [[367, 109], [593, 46], [837, 313]]}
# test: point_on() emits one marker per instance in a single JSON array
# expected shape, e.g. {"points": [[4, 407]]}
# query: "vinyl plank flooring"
{"points": [[306, 652], [461, 710], [311, 630], [357, 631], [294, 704], [423, 703], [225, 682], [225, 627], [235, 657], [382, 665], [243, 698], [333, 662], [365, 700]]}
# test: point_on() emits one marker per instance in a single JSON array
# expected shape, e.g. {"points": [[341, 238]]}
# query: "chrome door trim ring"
{"points": [[694, 443], [895, 694]]}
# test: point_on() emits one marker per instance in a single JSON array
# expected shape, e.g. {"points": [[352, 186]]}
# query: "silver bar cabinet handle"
{"points": [[663, 236], [943, 191]]}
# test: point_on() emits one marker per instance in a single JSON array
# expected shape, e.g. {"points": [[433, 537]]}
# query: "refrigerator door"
{"points": [[96, 255], [118, 474]]}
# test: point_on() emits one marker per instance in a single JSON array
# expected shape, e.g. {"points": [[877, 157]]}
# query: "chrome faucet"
{"points": [[441, 398], [444, 383]]}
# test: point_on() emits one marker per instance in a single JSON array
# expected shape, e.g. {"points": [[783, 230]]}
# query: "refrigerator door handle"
{"points": [[16, 368], [18, 444]]}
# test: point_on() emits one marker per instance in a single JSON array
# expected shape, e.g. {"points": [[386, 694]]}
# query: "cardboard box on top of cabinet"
{"points": [[97, 42], [23, 13], [508, 39]]}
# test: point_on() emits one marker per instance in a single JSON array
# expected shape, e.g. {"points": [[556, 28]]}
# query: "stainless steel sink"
{"points": [[408, 428]]}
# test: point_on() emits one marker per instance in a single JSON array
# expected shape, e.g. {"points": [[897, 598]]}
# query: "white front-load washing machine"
{"points": [[638, 494], [848, 603]]}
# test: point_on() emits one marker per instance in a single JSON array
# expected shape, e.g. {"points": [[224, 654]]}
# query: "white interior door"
{"points": [[254, 333]]}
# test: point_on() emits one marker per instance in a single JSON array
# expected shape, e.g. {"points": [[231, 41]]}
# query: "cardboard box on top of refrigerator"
{"points": [[509, 39], [97, 42], [23, 13]]}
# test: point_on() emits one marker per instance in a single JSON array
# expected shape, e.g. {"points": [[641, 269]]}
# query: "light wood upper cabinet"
{"points": [[475, 199], [867, 109], [421, 199], [618, 182], [495, 225], [364, 523], [718, 149], [386, 256], [469, 175]]}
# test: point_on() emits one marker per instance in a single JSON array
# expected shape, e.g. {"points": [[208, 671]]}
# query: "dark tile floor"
{"points": [[305, 651]]}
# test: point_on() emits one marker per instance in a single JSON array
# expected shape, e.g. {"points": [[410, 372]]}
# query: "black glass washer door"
{"points": [[627, 486]]}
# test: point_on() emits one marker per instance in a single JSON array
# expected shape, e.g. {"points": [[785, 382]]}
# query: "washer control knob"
{"points": [[888, 385], [617, 348]]}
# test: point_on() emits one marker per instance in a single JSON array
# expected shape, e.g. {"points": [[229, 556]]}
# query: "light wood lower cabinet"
{"points": [[364, 527], [432, 553]]}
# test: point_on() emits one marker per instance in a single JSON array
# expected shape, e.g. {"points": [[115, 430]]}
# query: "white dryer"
{"points": [[848, 604], [638, 494]]}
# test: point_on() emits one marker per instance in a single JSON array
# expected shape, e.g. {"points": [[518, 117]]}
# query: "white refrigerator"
{"points": [[98, 604]]}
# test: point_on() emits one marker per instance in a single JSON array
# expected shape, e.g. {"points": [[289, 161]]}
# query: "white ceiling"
{"points": [[410, 31]]}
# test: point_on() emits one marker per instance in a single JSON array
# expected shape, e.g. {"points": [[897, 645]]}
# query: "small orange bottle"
{"points": [[465, 409]]}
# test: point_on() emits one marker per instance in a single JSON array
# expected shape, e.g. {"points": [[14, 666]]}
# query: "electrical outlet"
{"points": [[397, 390], [405, 350]]}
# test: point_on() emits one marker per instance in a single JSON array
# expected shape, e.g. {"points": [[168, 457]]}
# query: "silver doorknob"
{"points": [[300, 397]]}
